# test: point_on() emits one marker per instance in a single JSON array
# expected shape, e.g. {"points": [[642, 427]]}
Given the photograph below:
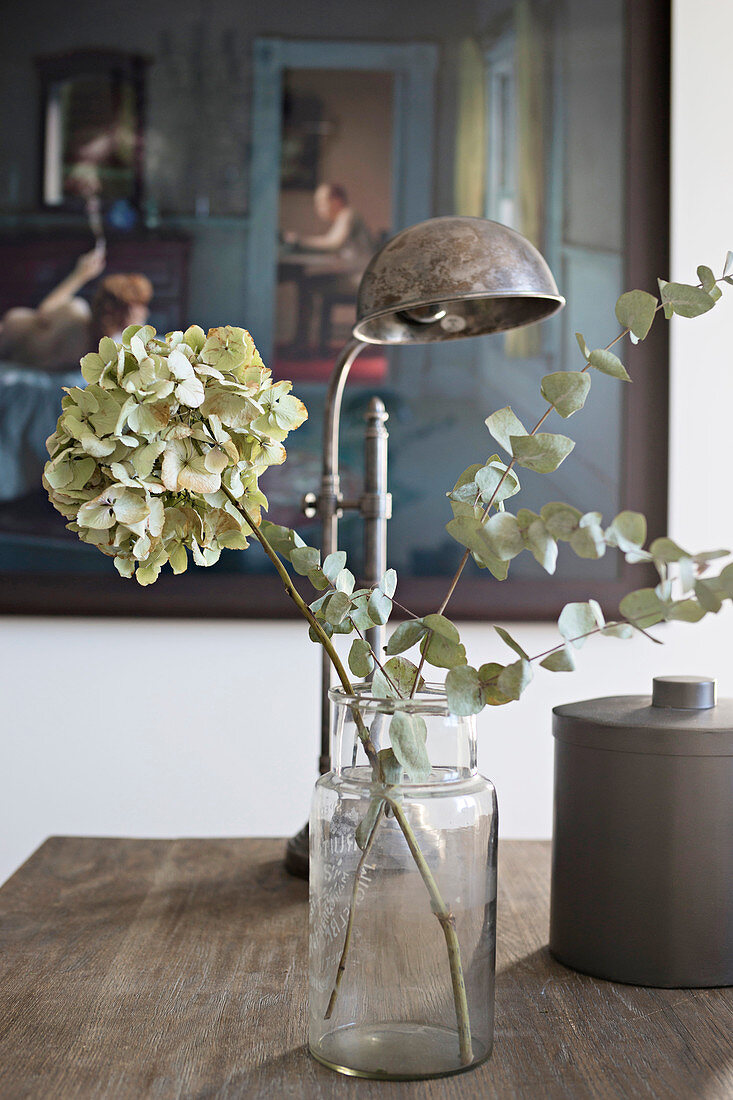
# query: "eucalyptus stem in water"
{"points": [[438, 905]]}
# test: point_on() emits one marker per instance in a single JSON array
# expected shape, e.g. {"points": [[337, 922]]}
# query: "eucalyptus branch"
{"points": [[590, 633], [638, 309], [550, 407], [512, 462], [510, 466], [441, 910], [352, 912], [448, 924], [324, 639], [376, 660], [467, 553], [410, 614], [372, 651]]}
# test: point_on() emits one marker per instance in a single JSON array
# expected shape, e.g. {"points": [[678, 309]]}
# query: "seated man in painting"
{"points": [[63, 328], [348, 241]]}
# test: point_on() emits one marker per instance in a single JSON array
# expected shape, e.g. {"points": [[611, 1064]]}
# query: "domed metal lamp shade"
{"points": [[452, 277], [442, 279]]}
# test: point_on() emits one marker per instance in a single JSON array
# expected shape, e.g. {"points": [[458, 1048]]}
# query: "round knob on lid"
{"points": [[684, 692]]}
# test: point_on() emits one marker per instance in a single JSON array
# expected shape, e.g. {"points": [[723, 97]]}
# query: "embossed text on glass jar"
{"points": [[387, 951]]}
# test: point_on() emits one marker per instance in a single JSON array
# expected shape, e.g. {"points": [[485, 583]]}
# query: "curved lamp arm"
{"points": [[329, 508], [329, 500]]}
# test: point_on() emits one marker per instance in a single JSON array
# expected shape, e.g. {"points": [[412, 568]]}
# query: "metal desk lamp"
{"points": [[442, 279]]}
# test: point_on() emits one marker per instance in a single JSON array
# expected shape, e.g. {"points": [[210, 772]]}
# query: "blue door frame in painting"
{"points": [[413, 67]]}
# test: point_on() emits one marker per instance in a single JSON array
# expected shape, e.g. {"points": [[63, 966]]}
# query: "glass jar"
{"points": [[402, 896]]}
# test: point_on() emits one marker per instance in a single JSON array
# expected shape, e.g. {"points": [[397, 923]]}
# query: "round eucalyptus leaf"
{"points": [[380, 606], [561, 520], [511, 642], [395, 679], [684, 300], [407, 733], [584, 350], [725, 580], [463, 690], [503, 536], [588, 542], [542, 452], [686, 611], [665, 550], [391, 768], [405, 636], [618, 630], [337, 608], [635, 310], [496, 482], [608, 363], [566, 391], [359, 613], [627, 531], [470, 532], [707, 596], [643, 607], [561, 660], [503, 424], [333, 565], [388, 583], [318, 579], [488, 675], [515, 678], [345, 581], [304, 559], [576, 621], [541, 544], [707, 278], [361, 661], [442, 647], [466, 478]]}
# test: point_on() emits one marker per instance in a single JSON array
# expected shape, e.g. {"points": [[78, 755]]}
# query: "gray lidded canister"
{"points": [[642, 850]]}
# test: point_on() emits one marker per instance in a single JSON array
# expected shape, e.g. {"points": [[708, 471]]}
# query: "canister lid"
{"points": [[635, 723], [684, 692]]}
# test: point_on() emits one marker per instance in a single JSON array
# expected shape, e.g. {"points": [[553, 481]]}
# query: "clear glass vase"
{"points": [[402, 898]]}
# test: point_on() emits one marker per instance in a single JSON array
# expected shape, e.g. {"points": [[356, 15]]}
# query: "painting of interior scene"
{"points": [[241, 165], [335, 212]]}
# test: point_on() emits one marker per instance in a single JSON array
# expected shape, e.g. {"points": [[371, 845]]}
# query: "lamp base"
{"points": [[296, 854]]}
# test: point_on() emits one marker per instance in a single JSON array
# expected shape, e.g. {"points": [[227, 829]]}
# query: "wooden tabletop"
{"points": [[177, 968]]}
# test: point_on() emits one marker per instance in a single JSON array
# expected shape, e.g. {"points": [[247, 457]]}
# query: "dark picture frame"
{"points": [[643, 480]]}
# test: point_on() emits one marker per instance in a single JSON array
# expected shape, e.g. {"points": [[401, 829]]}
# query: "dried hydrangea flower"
{"points": [[142, 459]]}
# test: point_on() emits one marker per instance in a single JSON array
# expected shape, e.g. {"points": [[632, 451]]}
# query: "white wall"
{"points": [[210, 738]]}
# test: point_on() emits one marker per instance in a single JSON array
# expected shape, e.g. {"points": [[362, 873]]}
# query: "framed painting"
{"points": [[92, 120], [552, 118]]}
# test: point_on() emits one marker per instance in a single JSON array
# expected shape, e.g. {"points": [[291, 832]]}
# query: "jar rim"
{"points": [[429, 697]]}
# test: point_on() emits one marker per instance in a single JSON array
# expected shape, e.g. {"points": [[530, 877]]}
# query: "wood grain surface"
{"points": [[172, 969]]}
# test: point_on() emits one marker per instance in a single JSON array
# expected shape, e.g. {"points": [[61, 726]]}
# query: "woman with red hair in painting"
{"points": [[63, 328]]}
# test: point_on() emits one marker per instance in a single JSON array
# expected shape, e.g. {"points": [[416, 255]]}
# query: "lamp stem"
{"points": [[375, 506]]}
